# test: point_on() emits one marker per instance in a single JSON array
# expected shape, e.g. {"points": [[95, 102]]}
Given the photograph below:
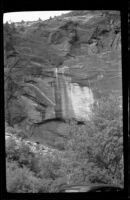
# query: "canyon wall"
{"points": [[61, 66], [76, 100]]}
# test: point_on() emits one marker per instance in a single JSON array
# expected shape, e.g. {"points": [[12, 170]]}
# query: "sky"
{"points": [[30, 16]]}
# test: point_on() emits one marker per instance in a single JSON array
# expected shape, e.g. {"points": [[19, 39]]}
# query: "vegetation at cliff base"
{"points": [[93, 154], [88, 44]]}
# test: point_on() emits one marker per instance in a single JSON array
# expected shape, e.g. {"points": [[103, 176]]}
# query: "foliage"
{"points": [[9, 40], [49, 167], [108, 108], [11, 152], [21, 180], [97, 146], [20, 153], [93, 154], [29, 172]]}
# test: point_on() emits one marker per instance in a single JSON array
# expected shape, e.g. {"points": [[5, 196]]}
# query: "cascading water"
{"points": [[75, 101], [82, 99], [65, 86], [58, 110], [71, 100]]}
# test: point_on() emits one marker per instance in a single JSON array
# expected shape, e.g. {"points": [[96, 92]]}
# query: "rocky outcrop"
{"points": [[85, 49], [34, 147], [95, 32]]}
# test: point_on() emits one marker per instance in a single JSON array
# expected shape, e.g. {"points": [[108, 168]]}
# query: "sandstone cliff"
{"points": [[59, 67]]}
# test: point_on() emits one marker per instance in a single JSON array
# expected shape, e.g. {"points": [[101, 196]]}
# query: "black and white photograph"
{"points": [[63, 101]]}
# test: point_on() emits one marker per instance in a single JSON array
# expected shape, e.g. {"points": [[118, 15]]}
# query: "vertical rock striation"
{"points": [[76, 101], [65, 85], [82, 99]]}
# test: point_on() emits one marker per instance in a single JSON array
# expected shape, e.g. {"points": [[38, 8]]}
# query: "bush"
{"points": [[93, 154], [25, 156], [97, 146], [21, 153], [49, 167], [11, 149], [20, 180]]}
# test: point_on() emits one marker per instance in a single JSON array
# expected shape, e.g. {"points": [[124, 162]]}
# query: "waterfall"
{"points": [[58, 110], [71, 100], [65, 86], [82, 99], [76, 101]]}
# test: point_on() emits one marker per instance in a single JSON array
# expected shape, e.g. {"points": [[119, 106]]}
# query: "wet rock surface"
{"points": [[87, 43]]}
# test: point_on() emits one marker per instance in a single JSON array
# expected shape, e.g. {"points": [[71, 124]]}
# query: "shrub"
{"points": [[21, 153], [11, 149], [49, 168], [97, 146], [25, 156], [20, 180], [93, 154]]}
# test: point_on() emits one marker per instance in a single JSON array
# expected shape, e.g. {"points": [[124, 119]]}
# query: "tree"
{"points": [[39, 19], [29, 172], [21, 180], [22, 22], [97, 146]]}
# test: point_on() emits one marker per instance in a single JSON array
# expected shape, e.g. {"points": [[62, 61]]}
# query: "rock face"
{"points": [[82, 99], [75, 100], [64, 65]]}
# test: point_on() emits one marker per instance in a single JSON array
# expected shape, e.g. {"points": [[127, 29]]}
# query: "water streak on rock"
{"points": [[75, 100]]}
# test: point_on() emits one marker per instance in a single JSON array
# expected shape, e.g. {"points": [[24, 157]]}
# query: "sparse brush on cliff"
{"points": [[88, 151]]}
